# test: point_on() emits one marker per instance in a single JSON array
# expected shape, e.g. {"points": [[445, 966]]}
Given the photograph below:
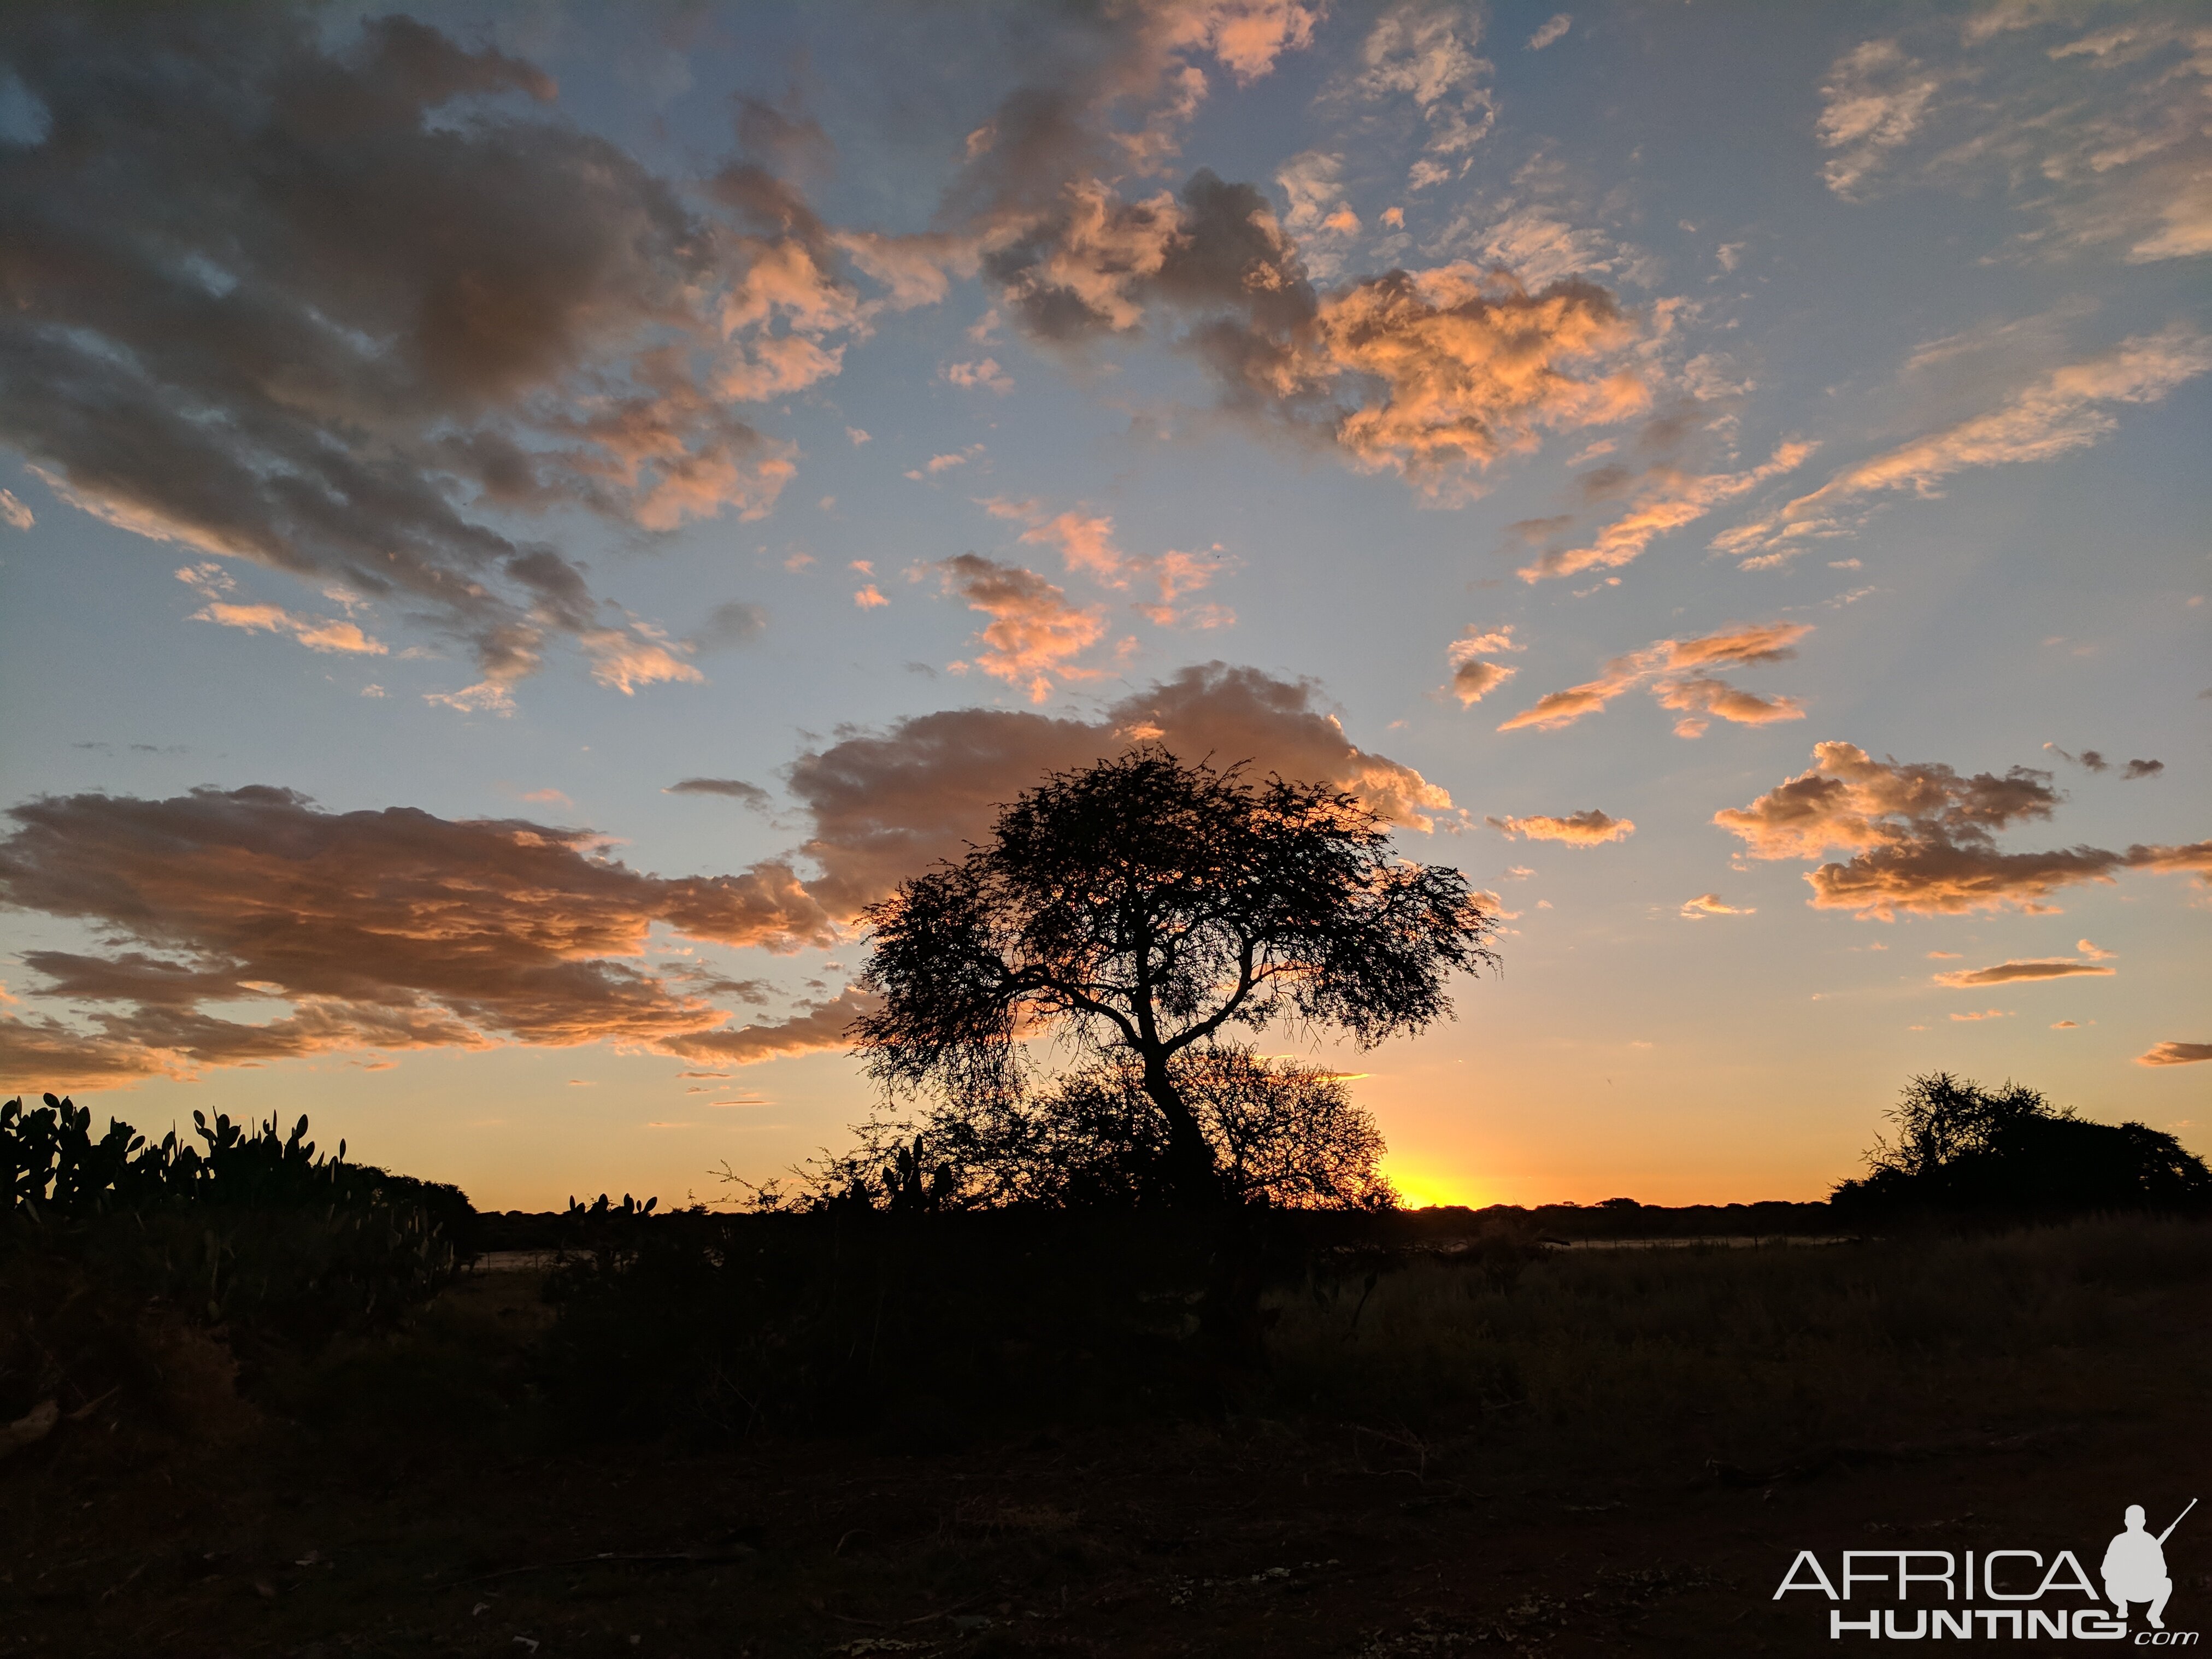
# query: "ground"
{"points": [[1256, 1533]]}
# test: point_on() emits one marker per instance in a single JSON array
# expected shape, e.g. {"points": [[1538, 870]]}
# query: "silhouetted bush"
{"points": [[251, 1225], [1962, 1149]]}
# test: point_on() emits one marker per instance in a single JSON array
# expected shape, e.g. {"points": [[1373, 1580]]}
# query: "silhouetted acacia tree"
{"points": [[1144, 905], [1962, 1147]]}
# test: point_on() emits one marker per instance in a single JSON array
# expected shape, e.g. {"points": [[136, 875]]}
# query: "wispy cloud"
{"points": [[1430, 57], [983, 374], [1874, 98], [1551, 32], [737, 789], [1712, 905], [1670, 501], [211, 582], [2066, 410], [1679, 674]]}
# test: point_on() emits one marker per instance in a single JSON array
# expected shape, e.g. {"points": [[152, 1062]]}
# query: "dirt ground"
{"points": [[1244, 1537]]}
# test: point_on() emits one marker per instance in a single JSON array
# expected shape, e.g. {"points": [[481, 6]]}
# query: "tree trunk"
{"points": [[1198, 1182]]}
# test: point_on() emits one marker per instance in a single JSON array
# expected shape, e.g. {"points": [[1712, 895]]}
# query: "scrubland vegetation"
{"points": [[870, 1417]]}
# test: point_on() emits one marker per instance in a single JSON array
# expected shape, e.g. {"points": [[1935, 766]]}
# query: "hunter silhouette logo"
{"points": [[2135, 1566], [2024, 1593]]}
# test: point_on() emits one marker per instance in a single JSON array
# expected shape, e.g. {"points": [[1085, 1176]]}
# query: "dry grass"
{"points": [[1754, 1355]]}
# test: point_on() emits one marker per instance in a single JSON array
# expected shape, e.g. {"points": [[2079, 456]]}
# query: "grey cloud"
{"points": [[736, 788], [735, 623], [886, 804], [325, 309]]}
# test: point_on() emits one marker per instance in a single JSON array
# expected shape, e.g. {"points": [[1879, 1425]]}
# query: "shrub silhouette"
{"points": [[1960, 1147]]}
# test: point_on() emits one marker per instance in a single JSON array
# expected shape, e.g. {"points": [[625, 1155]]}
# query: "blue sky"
{"points": [[434, 443]]}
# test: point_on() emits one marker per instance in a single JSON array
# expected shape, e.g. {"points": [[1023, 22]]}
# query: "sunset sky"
{"points": [[515, 526]]}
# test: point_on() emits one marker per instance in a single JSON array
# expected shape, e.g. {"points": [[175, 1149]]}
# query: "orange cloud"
{"points": [[985, 373], [1471, 365], [1431, 373], [1923, 838], [1587, 828], [1086, 544], [1678, 673], [1034, 631], [1471, 677], [641, 654], [211, 582], [2176, 1053]]}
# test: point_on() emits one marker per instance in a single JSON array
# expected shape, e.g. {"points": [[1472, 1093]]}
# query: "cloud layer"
{"points": [[2091, 119], [390, 930], [248, 926]]}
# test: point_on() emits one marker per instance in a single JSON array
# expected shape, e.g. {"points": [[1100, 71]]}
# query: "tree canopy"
{"points": [[1144, 906]]}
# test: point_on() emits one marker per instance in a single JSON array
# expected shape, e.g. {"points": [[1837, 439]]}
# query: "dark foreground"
{"points": [[1606, 1452]]}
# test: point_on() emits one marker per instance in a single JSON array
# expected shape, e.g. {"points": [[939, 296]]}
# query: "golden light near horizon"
{"points": [[498, 619]]}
